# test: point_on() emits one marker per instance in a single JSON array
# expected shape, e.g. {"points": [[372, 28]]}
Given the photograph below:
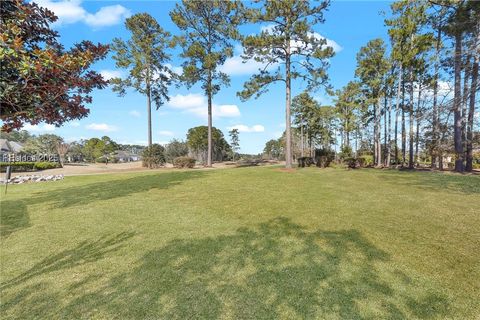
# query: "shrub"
{"points": [[305, 161], [352, 163], [184, 162], [345, 152], [323, 157], [366, 160], [46, 165], [153, 156], [28, 166]]}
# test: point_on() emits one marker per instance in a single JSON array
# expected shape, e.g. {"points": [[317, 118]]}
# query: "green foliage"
{"points": [[153, 156], [197, 140], [347, 107], [174, 149], [323, 157], [345, 152], [274, 149], [21, 136], [145, 57], [208, 28], [290, 38], [95, 148], [234, 141], [184, 162], [46, 165], [28, 166], [39, 80], [366, 160], [42, 144]]}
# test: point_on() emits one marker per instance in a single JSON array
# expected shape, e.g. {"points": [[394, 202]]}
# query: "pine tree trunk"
{"points": [[397, 109], [385, 129], [411, 164], [389, 130], [418, 119], [210, 147], [288, 138], [301, 140], [457, 105], [404, 133], [471, 111], [149, 117], [435, 115]]}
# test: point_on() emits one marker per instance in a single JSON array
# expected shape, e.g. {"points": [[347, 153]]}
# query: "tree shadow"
{"points": [[13, 217], [14, 213], [435, 181], [85, 252], [275, 270]]}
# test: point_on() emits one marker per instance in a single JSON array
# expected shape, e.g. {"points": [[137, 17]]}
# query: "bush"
{"points": [[323, 157], [345, 153], [184, 162], [305, 161], [353, 163], [366, 160], [28, 166], [153, 156], [46, 165]]}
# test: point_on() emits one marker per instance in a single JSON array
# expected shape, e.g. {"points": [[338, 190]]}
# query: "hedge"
{"points": [[28, 166], [184, 162]]}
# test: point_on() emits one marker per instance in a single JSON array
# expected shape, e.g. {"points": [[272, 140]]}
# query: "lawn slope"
{"points": [[244, 243]]}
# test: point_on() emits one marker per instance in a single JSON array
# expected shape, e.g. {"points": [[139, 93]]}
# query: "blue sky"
{"points": [[349, 25]]}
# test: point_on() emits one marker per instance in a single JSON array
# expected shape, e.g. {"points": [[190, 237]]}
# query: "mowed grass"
{"points": [[246, 243]]}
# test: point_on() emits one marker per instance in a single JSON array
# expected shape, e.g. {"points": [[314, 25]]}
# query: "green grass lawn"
{"points": [[247, 243]]}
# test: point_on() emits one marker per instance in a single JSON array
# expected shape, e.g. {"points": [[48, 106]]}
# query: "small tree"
{"points": [[234, 141], [62, 149], [174, 149], [153, 156], [145, 57]]}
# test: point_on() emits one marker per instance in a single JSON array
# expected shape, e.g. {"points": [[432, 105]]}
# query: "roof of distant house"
{"points": [[10, 146]]}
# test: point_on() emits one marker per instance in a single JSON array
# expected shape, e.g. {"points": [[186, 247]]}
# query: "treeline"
{"points": [[415, 97], [105, 149]]}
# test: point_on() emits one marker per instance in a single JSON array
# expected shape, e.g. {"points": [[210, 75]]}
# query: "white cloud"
{"points": [[101, 127], [244, 128], [71, 11], [109, 74], [166, 133], [39, 128], [75, 124], [235, 66], [196, 104], [226, 111], [107, 16], [135, 113], [188, 101]]}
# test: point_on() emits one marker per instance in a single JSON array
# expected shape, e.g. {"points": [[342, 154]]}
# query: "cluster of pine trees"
{"points": [[417, 92]]}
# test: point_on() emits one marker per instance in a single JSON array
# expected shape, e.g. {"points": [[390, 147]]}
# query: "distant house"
{"points": [[125, 156], [8, 148]]}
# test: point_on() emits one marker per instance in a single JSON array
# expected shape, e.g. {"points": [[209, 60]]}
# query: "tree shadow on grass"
{"points": [[276, 270], [85, 252], [13, 217], [14, 213], [435, 181]]}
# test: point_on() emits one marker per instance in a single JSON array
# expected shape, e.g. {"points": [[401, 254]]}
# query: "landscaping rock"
{"points": [[33, 178]]}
